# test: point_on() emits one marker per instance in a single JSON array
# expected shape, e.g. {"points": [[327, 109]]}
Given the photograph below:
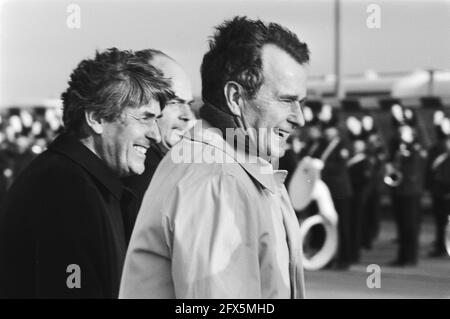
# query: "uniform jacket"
{"points": [[359, 168], [412, 167], [438, 171], [214, 225], [335, 172], [66, 208]]}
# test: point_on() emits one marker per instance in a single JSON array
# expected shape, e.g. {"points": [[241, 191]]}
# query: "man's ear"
{"points": [[94, 122], [234, 93]]}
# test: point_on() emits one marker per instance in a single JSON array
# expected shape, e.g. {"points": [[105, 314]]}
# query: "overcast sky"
{"points": [[38, 51]]}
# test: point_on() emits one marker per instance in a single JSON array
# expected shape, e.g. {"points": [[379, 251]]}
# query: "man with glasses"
{"points": [[219, 223], [65, 224], [176, 117]]}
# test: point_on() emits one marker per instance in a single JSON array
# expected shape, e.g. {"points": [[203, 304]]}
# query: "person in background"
{"points": [[377, 156], [407, 162], [176, 118], [438, 182], [6, 164], [291, 156], [334, 153], [359, 168]]}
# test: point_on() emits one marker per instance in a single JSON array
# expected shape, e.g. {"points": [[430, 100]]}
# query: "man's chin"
{"points": [[272, 152], [280, 153], [277, 152], [277, 148], [170, 142], [137, 169]]}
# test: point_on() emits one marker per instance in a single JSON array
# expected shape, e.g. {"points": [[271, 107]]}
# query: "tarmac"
{"points": [[429, 279]]}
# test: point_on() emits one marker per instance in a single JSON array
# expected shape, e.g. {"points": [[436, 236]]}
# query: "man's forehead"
{"points": [[180, 82], [153, 107], [164, 63], [282, 72]]}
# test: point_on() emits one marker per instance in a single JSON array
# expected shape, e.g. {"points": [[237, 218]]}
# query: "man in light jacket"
{"points": [[216, 220]]}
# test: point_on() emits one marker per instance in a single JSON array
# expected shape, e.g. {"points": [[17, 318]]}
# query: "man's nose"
{"points": [[154, 133], [187, 114], [297, 114]]}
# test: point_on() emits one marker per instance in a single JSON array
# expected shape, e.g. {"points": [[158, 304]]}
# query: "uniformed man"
{"points": [[359, 167], [438, 182], [377, 155], [335, 174], [6, 162], [405, 175], [301, 144], [312, 146], [291, 156]]}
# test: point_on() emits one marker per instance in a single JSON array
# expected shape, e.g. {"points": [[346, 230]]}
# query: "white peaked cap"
{"points": [[397, 112], [326, 113], [367, 122], [438, 116], [445, 126], [308, 114], [354, 125]]}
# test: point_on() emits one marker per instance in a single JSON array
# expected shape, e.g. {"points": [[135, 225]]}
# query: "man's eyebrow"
{"points": [[180, 100], [148, 114], [290, 97]]}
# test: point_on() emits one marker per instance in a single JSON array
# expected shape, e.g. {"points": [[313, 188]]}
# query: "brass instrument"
{"points": [[305, 186], [394, 176]]}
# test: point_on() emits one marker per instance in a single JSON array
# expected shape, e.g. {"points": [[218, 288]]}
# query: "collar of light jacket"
{"points": [[72, 148], [257, 167]]}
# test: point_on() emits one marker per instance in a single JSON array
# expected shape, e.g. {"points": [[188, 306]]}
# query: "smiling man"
{"points": [[226, 229], [64, 225], [176, 117]]}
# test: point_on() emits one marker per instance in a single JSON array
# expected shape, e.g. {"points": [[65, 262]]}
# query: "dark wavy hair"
{"points": [[235, 55], [113, 80]]}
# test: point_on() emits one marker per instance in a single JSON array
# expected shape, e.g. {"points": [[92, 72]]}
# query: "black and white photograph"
{"points": [[243, 150]]}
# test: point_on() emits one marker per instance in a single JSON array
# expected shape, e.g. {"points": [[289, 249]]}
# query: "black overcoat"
{"points": [[65, 218]]}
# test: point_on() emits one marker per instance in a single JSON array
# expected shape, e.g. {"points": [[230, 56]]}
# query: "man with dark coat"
{"points": [[6, 164], [64, 225], [409, 159], [438, 182], [377, 157], [335, 155], [359, 167]]}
